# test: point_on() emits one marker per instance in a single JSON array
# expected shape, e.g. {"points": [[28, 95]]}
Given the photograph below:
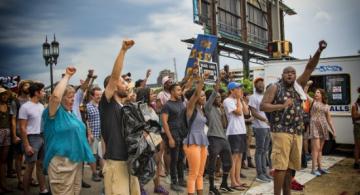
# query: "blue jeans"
{"points": [[262, 137]]}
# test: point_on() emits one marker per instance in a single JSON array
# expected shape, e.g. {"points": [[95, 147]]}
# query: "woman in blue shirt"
{"points": [[66, 146]]}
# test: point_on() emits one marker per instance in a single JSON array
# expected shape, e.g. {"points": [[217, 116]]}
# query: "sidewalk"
{"points": [[343, 178]]}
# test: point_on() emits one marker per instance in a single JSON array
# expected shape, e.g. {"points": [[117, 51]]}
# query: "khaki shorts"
{"points": [[118, 181], [286, 151], [95, 146], [64, 176]]}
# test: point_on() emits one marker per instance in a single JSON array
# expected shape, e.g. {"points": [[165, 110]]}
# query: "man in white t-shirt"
{"points": [[235, 108], [261, 130], [31, 131]]}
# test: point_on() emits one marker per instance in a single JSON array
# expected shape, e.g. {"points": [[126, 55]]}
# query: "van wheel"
{"points": [[329, 147]]}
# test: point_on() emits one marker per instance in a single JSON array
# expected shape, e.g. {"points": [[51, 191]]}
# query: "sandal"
{"points": [[238, 188], [245, 185]]}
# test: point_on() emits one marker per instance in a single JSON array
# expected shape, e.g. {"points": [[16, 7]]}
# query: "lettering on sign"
{"points": [[210, 67], [339, 108], [329, 68]]}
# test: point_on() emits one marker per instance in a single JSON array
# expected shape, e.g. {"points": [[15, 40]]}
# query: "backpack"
{"points": [[187, 124]]}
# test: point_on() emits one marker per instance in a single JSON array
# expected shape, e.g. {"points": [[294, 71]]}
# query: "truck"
{"points": [[338, 76]]}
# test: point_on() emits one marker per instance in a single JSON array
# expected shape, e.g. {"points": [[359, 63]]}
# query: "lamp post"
{"points": [[50, 54]]}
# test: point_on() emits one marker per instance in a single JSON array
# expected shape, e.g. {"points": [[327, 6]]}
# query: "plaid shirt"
{"points": [[93, 119]]}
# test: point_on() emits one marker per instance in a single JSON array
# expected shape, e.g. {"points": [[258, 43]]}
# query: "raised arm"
{"points": [[195, 97], [84, 86], [209, 103], [56, 96], [307, 86], [266, 103], [148, 73], [188, 80], [311, 65], [117, 69]]}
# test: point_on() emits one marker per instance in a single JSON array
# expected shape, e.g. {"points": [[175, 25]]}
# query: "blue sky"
{"points": [[90, 34]]}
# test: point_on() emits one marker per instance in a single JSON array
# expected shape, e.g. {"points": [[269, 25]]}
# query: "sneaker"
{"points": [[182, 183], [294, 182], [244, 165], [316, 173], [323, 171], [268, 176], [161, 190], [263, 179], [214, 191], [85, 185], [143, 192], [95, 177], [168, 179], [176, 188], [295, 186], [226, 189]]}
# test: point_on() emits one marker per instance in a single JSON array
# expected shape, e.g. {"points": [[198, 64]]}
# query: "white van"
{"points": [[339, 76]]}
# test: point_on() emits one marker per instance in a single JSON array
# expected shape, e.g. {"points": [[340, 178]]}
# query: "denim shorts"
{"points": [[238, 143], [36, 141]]}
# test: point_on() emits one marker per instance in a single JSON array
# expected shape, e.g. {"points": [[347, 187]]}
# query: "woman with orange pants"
{"points": [[196, 142]]}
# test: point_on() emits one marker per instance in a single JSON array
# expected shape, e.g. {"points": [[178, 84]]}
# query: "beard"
{"points": [[259, 90]]}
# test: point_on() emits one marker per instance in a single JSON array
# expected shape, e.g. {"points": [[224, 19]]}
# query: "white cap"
{"points": [[165, 79]]}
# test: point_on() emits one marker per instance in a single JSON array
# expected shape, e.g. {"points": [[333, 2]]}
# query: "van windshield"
{"points": [[337, 88]]}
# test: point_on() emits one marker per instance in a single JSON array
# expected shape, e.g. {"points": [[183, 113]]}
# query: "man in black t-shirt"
{"points": [[172, 118], [117, 179]]}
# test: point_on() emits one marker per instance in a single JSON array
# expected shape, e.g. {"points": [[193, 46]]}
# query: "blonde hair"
{"points": [[69, 89]]}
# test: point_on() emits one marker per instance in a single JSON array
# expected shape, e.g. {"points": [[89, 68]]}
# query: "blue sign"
{"points": [[329, 68], [202, 49]]}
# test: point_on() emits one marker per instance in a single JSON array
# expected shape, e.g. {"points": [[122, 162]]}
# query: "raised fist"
{"points": [[206, 75], [70, 70], [148, 73], [322, 45], [310, 82], [127, 44], [90, 72]]}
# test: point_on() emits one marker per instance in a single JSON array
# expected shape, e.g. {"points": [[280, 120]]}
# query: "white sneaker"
{"points": [[168, 179]]}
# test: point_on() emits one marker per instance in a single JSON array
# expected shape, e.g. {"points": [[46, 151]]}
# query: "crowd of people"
{"points": [[132, 134]]}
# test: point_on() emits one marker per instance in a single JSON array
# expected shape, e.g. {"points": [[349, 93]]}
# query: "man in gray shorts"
{"points": [[33, 142]]}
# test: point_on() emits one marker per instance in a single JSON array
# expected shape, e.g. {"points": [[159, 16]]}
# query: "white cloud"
{"points": [[322, 16], [155, 47]]}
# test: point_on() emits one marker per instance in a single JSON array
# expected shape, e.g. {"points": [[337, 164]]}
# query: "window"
{"points": [[337, 88], [229, 20], [257, 25]]}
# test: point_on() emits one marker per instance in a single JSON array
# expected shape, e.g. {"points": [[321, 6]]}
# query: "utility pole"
{"points": [[214, 31], [245, 51], [175, 69]]}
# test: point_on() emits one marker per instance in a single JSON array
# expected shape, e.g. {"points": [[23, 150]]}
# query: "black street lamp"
{"points": [[50, 54]]}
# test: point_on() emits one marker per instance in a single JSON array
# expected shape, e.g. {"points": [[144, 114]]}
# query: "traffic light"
{"points": [[286, 47], [279, 48], [274, 48]]}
